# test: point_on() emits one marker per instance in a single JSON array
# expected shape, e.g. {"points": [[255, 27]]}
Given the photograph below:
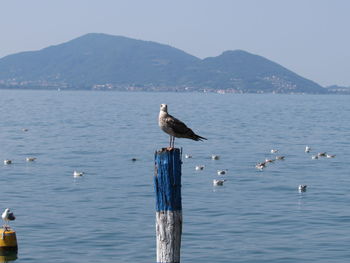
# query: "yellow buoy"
{"points": [[8, 240], [7, 256]]}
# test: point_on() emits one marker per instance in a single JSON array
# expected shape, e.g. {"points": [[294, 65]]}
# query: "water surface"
{"points": [[108, 215]]}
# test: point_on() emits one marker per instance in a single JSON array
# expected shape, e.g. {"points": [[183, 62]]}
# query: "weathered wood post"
{"points": [[167, 185]]}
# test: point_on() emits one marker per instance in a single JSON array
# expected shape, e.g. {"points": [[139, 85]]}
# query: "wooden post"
{"points": [[167, 185]]}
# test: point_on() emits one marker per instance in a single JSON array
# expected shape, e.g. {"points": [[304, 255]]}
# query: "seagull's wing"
{"points": [[180, 129], [176, 125]]}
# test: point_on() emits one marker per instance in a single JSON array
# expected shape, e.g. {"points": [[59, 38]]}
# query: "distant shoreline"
{"points": [[171, 90]]}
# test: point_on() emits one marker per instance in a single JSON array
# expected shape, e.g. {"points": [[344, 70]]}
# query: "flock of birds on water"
{"points": [[260, 166], [177, 129], [9, 216]]}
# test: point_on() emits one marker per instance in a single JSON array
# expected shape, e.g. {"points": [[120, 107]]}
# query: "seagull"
{"points": [[7, 216], [77, 174], [30, 159], [260, 166], [302, 188], [322, 154], [330, 155], [221, 172], [215, 157], [188, 156], [199, 167], [274, 151], [7, 161], [307, 149], [217, 182], [314, 157], [175, 127], [280, 157]]}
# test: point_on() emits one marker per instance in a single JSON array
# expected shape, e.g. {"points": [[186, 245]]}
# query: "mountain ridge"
{"points": [[101, 61]]}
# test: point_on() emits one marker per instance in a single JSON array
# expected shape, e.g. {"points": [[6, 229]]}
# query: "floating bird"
{"points": [[188, 156], [30, 159], [302, 188], [25, 129], [77, 174], [269, 161], [7, 161], [260, 166], [7, 216], [215, 157], [323, 154], [307, 149], [274, 151], [217, 182], [314, 157], [221, 172], [199, 167], [175, 127], [133, 159], [280, 157], [330, 155]]}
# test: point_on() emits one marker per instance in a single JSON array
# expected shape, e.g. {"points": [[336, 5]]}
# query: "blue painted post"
{"points": [[167, 185]]}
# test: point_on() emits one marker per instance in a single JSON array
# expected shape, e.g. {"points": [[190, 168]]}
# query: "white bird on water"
{"points": [[217, 182], [77, 174], [215, 157], [260, 166], [302, 188], [199, 167], [175, 127], [7, 161], [7, 216], [221, 172], [307, 149]]}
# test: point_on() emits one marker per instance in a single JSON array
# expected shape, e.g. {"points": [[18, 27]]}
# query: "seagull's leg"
{"points": [[173, 142], [170, 141]]}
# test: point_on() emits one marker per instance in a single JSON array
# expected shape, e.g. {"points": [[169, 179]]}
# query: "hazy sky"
{"points": [[309, 37]]}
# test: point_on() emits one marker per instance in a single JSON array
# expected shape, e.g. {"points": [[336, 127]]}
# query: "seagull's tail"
{"points": [[198, 138]]}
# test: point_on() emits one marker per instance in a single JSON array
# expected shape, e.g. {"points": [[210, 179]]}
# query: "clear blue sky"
{"points": [[309, 37]]}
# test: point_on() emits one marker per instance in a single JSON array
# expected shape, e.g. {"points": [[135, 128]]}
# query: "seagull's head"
{"points": [[5, 213], [164, 107]]}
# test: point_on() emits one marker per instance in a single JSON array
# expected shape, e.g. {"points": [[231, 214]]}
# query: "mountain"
{"points": [[116, 62], [241, 71]]}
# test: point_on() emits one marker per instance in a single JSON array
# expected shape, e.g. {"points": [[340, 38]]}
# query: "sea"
{"points": [[108, 214]]}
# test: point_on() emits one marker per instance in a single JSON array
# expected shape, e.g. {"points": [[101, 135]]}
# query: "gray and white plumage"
{"points": [[77, 174], [175, 127], [7, 161], [302, 188], [217, 182], [30, 159], [7, 216], [307, 149], [221, 172]]}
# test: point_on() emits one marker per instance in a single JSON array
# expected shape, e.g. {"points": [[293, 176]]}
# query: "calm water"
{"points": [[108, 215]]}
